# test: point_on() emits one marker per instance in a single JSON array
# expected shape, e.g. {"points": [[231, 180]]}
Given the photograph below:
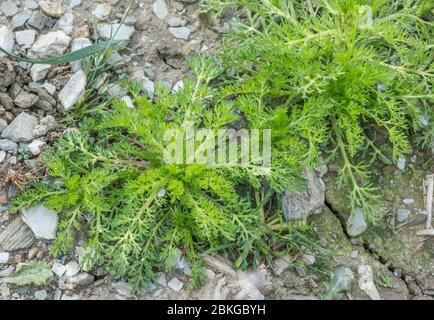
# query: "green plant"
{"points": [[110, 175], [352, 75]]}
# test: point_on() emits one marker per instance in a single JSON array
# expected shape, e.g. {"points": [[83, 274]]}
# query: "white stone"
{"points": [[401, 163], [4, 257], [178, 86], [35, 146], [50, 45], [25, 38], [77, 44], [49, 87], [20, 19], [128, 101], [408, 201], [72, 269], [30, 4], [42, 221], [175, 284], [102, 11], [356, 223], [81, 279], [66, 23], [117, 31], [2, 156], [51, 8], [159, 7], [9, 8], [59, 269], [73, 90], [7, 40], [21, 129], [366, 282], [176, 22], [148, 86], [38, 72], [180, 33], [309, 259], [74, 3]]}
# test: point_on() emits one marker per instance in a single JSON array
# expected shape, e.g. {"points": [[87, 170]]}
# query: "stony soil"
{"points": [[162, 36]]}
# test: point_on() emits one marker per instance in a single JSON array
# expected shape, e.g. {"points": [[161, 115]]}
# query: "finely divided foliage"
{"points": [[351, 75], [340, 77]]}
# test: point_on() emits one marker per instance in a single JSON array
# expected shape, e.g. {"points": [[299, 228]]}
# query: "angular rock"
{"points": [[42, 221], [58, 269], [30, 4], [175, 284], [25, 38], [16, 236], [102, 11], [51, 8], [2, 156], [180, 33], [20, 19], [35, 147], [366, 282], [21, 129], [72, 269], [356, 223], [38, 72], [123, 34], [8, 145], [7, 40], [73, 90], [4, 257], [25, 99], [41, 295], [159, 7], [82, 279], [77, 44], [37, 20], [402, 214], [66, 23], [6, 101], [48, 123], [9, 8], [50, 45], [301, 205], [342, 280]]}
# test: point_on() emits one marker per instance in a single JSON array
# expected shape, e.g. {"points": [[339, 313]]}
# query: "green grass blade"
{"points": [[73, 56]]}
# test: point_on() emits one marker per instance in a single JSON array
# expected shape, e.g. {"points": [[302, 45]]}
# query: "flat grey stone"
{"points": [[25, 99], [4, 257], [356, 223], [42, 221], [37, 20], [20, 19], [73, 90], [301, 205], [123, 34], [16, 236], [402, 214], [180, 33], [159, 7], [25, 38], [21, 129], [9, 8], [50, 45], [7, 40], [8, 145], [175, 284], [38, 72]]}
